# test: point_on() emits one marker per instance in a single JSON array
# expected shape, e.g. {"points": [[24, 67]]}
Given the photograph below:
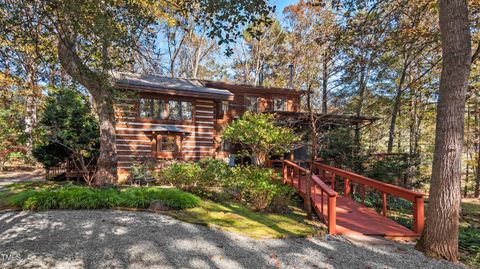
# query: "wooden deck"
{"points": [[354, 219], [345, 216]]}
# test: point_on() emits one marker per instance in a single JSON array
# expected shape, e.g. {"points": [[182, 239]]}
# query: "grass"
{"points": [[469, 239], [187, 207], [237, 218], [45, 196]]}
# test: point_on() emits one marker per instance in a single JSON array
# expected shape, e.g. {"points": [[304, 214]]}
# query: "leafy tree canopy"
{"points": [[259, 136]]}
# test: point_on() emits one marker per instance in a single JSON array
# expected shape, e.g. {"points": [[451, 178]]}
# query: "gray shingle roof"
{"points": [[154, 83]]}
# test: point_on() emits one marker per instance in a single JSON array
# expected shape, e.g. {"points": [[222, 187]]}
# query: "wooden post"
{"points": [[333, 181], [347, 187], [332, 214], [155, 138], [321, 204], [299, 180], [418, 215], [284, 172], [363, 195], [292, 175], [314, 192], [384, 200]]}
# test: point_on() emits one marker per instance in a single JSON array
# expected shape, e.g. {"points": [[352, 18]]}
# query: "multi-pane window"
{"points": [[225, 106], [174, 110], [161, 109], [279, 104], [146, 108], [251, 103], [167, 143], [186, 110]]}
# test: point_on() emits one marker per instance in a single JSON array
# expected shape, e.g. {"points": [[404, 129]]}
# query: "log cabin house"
{"points": [[159, 117]]}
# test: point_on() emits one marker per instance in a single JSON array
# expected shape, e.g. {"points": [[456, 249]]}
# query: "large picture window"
{"points": [[161, 109], [251, 103]]}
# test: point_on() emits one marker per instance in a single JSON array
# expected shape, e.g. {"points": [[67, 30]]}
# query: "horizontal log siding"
{"points": [[133, 136], [199, 144]]}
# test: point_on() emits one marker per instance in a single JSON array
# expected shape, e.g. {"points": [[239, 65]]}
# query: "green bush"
{"points": [[260, 188], [67, 128], [141, 173], [79, 197], [215, 173], [184, 175], [188, 175]]}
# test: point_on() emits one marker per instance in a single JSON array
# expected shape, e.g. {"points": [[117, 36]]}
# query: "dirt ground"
{"points": [[21, 175]]}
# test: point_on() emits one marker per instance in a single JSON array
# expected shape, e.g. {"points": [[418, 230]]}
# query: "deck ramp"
{"points": [[350, 217]]}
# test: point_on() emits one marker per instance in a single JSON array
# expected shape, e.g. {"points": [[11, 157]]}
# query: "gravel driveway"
{"points": [[118, 239]]}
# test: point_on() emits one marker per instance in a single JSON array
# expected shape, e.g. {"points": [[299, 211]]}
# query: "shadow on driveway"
{"points": [[118, 239]]}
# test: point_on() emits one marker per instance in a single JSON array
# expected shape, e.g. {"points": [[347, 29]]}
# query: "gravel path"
{"points": [[117, 239]]}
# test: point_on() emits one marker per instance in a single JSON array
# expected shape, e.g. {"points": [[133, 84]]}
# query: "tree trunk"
{"points": [[101, 91], [308, 186], [477, 177], [361, 95], [440, 236], [413, 139], [468, 146], [325, 83], [396, 107], [477, 146], [107, 161], [31, 105], [259, 158]]}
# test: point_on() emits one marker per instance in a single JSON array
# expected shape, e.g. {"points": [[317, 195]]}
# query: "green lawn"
{"points": [[236, 218], [470, 232], [184, 206]]}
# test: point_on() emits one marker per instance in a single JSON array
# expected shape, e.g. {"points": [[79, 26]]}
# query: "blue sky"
{"points": [[281, 4]]}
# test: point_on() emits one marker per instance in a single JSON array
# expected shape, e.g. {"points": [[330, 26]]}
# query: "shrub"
{"points": [[188, 175], [68, 130], [141, 173], [80, 197], [184, 175], [215, 173], [260, 188]]}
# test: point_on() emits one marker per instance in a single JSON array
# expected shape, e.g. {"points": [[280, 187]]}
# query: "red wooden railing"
{"points": [[292, 170], [55, 171], [329, 174]]}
